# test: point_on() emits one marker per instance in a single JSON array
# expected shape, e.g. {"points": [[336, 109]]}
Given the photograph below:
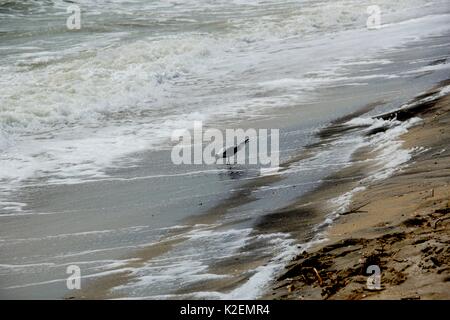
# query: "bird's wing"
{"points": [[220, 153]]}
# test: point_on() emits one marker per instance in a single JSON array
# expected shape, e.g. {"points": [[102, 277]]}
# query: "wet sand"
{"points": [[400, 224]]}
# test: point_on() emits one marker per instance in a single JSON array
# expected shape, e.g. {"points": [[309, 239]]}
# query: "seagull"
{"points": [[226, 153]]}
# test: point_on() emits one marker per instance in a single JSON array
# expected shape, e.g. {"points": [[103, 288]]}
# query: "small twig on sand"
{"points": [[431, 195], [440, 220], [290, 288], [319, 278], [355, 210]]}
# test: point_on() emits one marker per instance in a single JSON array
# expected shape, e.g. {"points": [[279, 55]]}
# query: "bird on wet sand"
{"points": [[227, 153]]}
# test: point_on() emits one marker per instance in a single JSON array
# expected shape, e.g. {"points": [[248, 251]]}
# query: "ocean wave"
{"points": [[71, 111]]}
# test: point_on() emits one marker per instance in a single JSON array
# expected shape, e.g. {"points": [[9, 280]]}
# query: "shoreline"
{"points": [[399, 223], [89, 123], [303, 220]]}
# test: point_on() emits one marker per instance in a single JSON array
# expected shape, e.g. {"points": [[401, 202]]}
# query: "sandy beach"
{"points": [[400, 224]]}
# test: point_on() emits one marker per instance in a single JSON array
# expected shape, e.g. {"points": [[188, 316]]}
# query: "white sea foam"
{"points": [[68, 115], [186, 264], [389, 157]]}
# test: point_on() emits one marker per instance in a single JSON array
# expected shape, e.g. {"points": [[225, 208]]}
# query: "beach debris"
{"points": [[355, 210], [440, 220], [431, 194], [319, 278], [414, 222], [442, 211], [290, 288]]}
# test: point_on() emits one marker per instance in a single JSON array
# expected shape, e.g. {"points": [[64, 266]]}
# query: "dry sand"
{"points": [[401, 224]]}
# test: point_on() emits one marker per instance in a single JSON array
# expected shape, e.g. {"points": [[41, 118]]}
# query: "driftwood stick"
{"points": [[439, 220], [319, 278], [354, 210]]}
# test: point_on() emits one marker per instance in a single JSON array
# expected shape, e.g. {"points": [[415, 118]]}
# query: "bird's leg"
{"points": [[228, 163]]}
